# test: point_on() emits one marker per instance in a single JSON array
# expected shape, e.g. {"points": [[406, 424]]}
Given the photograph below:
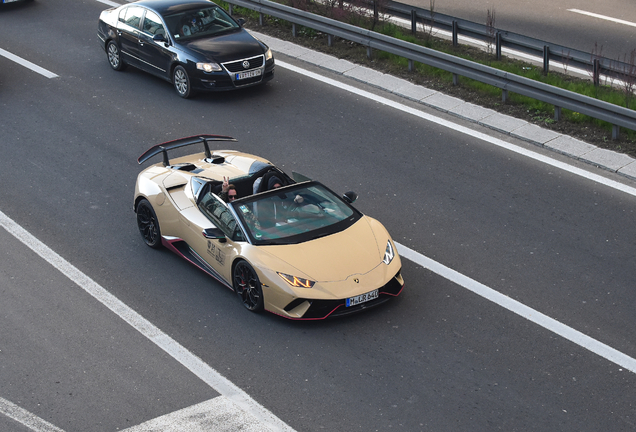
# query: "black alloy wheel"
{"points": [[114, 56], [148, 224], [181, 82], [247, 286]]}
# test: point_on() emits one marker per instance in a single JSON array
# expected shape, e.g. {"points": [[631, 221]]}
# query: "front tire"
{"points": [[181, 82], [247, 286], [114, 56], [148, 224]]}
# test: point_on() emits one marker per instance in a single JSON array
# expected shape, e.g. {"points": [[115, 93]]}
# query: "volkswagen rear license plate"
{"points": [[352, 301], [248, 74]]}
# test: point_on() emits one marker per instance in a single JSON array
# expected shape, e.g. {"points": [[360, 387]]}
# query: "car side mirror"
{"points": [[241, 22], [159, 38], [213, 234], [350, 197]]}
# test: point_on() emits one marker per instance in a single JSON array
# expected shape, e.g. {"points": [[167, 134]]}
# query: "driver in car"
{"points": [[196, 23]]}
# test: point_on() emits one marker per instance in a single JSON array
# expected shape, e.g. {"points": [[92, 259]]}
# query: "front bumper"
{"points": [[227, 80], [320, 309]]}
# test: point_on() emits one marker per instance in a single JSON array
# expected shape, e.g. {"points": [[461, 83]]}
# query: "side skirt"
{"points": [[181, 248]]}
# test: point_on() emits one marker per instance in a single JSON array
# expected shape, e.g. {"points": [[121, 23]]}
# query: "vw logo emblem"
{"points": [[246, 64], [356, 280]]}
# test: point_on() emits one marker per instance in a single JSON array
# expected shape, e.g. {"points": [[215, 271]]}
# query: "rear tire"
{"points": [[114, 56], [148, 224]]}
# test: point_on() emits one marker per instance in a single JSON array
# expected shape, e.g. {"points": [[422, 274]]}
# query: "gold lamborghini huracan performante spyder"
{"points": [[289, 246]]}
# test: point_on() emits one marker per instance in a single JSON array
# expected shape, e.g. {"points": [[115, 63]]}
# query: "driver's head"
{"points": [[274, 183]]}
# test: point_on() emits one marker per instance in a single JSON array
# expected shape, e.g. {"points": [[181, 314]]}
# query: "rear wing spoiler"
{"points": [[182, 142]]}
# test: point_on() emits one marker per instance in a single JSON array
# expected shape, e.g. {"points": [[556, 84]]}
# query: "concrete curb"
{"points": [[611, 161]]}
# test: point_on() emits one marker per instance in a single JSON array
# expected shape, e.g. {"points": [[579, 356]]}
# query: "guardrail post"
{"points": [[455, 32], [413, 21], [261, 19], [557, 113], [329, 40], [411, 65], [369, 52], [231, 9], [615, 131], [455, 79], [504, 95], [596, 72], [498, 45], [294, 29], [546, 59]]}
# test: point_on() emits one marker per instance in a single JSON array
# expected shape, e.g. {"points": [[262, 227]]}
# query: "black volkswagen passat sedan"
{"points": [[194, 44]]}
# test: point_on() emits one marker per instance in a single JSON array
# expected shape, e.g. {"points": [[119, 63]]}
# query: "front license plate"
{"points": [[248, 74], [352, 301]]}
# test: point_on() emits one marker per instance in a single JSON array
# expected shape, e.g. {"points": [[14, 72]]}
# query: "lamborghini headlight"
{"points": [[389, 253], [209, 67], [268, 54], [296, 281]]}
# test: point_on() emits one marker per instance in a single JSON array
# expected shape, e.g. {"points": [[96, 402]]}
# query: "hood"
{"points": [[231, 46], [353, 251]]}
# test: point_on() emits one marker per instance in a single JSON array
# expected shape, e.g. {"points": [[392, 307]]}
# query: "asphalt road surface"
{"points": [[438, 358]]}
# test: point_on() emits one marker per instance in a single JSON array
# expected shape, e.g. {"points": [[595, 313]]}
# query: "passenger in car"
{"points": [[228, 191]]}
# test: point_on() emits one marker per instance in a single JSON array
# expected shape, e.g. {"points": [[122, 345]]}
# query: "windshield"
{"points": [[294, 214], [209, 21]]}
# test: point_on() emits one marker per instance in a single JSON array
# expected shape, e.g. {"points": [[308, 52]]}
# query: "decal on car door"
{"points": [[215, 251]]}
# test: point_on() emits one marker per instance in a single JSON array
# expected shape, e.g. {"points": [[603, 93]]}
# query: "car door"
{"points": [[155, 55], [128, 26], [219, 252]]}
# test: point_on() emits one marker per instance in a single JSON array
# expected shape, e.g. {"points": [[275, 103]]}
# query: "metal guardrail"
{"points": [[593, 62], [560, 98]]}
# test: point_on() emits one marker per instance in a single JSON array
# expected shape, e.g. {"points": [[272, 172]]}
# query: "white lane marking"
{"points": [[488, 293], [193, 363], [25, 418], [520, 309], [27, 64], [109, 3], [215, 415], [465, 130], [603, 17], [241, 399]]}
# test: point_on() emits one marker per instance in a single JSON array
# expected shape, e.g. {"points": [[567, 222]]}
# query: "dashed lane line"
{"points": [[109, 3], [25, 418], [27, 64], [603, 17]]}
